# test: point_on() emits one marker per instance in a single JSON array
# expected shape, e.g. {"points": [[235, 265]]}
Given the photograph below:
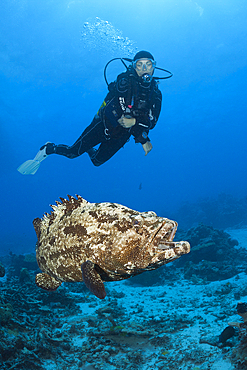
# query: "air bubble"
{"points": [[101, 35]]}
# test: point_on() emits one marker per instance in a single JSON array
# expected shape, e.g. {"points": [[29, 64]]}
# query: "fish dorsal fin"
{"points": [[82, 201], [73, 203], [66, 206]]}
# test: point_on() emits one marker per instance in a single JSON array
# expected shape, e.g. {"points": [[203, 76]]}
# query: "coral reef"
{"points": [[208, 244], [20, 261], [31, 327], [213, 254], [221, 212], [2, 270], [5, 313], [24, 275]]}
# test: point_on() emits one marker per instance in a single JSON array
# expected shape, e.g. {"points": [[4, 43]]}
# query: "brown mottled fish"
{"points": [[97, 242]]}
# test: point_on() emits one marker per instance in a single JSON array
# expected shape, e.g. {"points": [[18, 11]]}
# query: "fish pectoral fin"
{"points": [[93, 280], [47, 282]]}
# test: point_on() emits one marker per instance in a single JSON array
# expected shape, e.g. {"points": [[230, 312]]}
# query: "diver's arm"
{"points": [[126, 122]]}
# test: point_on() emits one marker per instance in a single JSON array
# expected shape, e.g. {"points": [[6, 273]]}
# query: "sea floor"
{"points": [[175, 325], [165, 327], [240, 235]]}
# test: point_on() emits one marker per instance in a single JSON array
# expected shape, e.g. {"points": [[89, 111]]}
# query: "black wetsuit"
{"points": [[130, 96]]}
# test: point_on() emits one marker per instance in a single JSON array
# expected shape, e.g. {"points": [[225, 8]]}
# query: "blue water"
{"points": [[51, 73]]}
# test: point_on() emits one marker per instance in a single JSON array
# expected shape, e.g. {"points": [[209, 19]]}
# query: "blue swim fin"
{"points": [[31, 166]]}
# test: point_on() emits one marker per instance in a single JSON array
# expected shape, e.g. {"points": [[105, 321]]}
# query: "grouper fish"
{"points": [[101, 242]]}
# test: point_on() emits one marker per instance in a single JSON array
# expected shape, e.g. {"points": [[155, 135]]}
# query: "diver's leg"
{"points": [[91, 136], [108, 148]]}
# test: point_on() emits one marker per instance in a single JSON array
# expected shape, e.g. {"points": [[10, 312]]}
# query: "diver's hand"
{"points": [[126, 122], [147, 147]]}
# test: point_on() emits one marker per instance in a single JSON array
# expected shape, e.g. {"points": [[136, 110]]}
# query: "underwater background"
{"points": [[183, 316], [52, 57]]}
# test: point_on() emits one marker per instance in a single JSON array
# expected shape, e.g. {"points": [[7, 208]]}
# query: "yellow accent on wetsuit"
{"points": [[102, 106]]}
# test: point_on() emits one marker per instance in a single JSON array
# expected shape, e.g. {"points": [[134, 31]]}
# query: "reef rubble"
{"points": [[2, 270]]}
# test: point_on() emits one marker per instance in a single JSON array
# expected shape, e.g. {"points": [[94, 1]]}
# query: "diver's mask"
{"points": [[144, 67]]}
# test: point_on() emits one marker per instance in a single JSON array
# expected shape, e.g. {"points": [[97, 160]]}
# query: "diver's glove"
{"points": [[147, 147], [126, 122]]}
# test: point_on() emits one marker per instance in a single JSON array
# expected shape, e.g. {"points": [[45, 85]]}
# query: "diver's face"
{"points": [[143, 66]]}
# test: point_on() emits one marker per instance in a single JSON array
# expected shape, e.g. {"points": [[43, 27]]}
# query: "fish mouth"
{"points": [[167, 242], [162, 248], [169, 251], [166, 245], [165, 234]]}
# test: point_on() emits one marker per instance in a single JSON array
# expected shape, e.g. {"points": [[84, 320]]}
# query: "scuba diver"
{"points": [[131, 107]]}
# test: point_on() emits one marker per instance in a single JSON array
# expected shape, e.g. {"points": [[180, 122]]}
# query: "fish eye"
{"points": [[137, 220]]}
